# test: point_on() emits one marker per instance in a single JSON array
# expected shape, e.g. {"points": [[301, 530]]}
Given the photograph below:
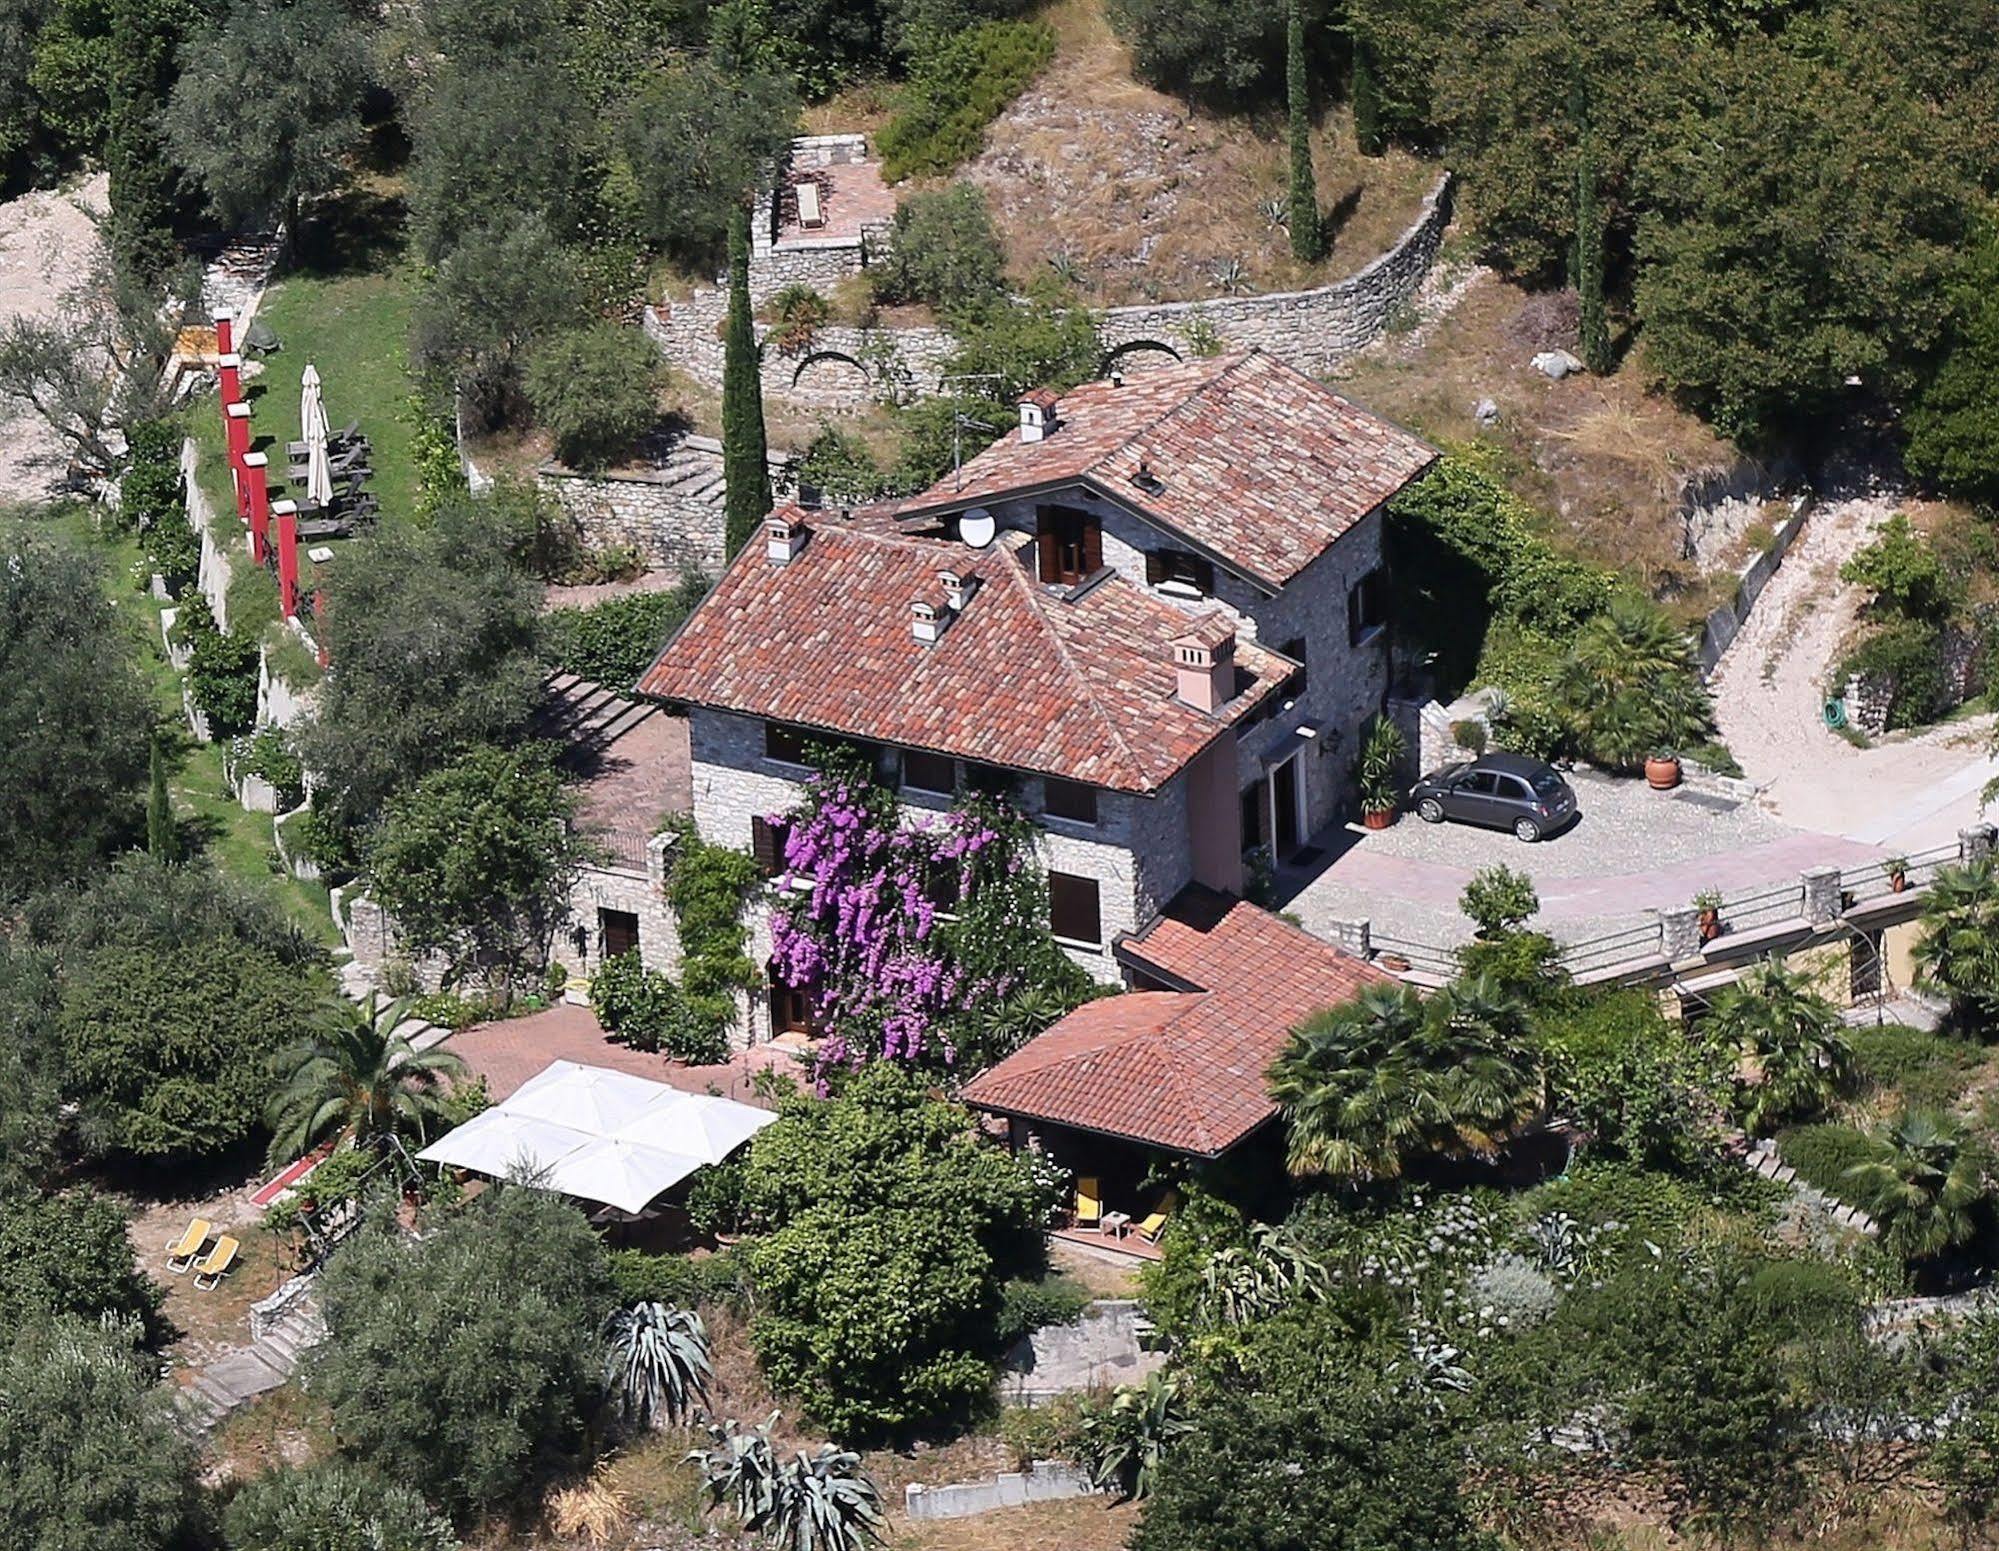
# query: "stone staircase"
{"points": [[239, 1376], [1763, 1158]]}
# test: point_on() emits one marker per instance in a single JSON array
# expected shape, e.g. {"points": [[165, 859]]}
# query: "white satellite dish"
{"points": [[977, 527]]}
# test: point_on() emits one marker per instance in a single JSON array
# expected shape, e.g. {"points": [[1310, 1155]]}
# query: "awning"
{"points": [[599, 1135]]}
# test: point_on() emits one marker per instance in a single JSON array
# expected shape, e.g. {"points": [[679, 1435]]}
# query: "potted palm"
{"points": [[1708, 904], [1662, 770], [1378, 772], [1897, 869]]}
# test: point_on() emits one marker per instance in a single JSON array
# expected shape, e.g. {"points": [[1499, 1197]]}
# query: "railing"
{"points": [[1421, 956], [1877, 880], [1766, 907], [1622, 947]]}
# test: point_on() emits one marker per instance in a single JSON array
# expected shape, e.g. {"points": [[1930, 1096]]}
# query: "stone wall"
{"points": [[672, 513], [1312, 330], [1726, 622], [1043, 1481]]}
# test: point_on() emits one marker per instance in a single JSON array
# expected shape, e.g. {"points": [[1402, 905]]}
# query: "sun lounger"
{"points": [[1154, 1225], [181, 1253], [1089, 1201], [215, 1265]]}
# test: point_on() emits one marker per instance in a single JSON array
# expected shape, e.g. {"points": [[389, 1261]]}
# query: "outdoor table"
{"points": [[1115, 1223]]}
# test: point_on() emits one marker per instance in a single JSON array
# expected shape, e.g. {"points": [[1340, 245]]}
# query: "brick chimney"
{"points": [[1037, 415], [784, 537], [924, 623], [1204, 663]]}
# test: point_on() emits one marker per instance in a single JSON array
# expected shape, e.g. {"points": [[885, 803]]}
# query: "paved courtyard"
{"points": [[1631, 853]]}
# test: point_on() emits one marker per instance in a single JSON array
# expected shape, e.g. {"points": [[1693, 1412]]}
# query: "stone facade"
{"points": [[579, 946], [1312, 330], [671, 513]]}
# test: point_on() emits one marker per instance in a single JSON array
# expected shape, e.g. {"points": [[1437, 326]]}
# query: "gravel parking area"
{"points": [[47, 242], [1630, 853]]}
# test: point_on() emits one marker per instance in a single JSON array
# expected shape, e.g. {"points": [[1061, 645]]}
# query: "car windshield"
{"points": [[1548, 784]]}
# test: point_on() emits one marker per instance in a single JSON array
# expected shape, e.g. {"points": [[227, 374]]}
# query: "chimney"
{"points": [[1037, 415], [784, 537], [1204, 664], [958, 589], [923, 622]]}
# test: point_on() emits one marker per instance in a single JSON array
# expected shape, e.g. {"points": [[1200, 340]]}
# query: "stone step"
{"points": [[279, 1349], [207, 1395]]}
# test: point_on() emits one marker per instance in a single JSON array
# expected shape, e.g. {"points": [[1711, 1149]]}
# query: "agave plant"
{"points": [[1124, 1442], [656, 1360], [1276, 212], [1241, 1284], [819, 1502], [1230, 276]]}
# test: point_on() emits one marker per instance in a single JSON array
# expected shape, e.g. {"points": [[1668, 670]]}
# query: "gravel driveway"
{"points": [[47, 242]]}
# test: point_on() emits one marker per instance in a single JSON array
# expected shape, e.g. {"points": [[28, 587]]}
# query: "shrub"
{"points": [[1028, 1305], [613, 642], [1051, 1431], [1518, 1293], [269, 757], [840, 467], [1638, 1085], [1925, 1069], [1822, 1154], [956, 90], [222, 669], [150, 491], [796, 313], [595, 390], [685, 1280], [331, 1506], [715, 1197], [1906, 655], [646, 1011], [1469, 735], [1629, 687], [1499, 900], [1901, 568], [944, 250], [70, 1254]]}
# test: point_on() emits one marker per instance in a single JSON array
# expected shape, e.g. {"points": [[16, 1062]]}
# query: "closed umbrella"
{"points": [[313, 432]]}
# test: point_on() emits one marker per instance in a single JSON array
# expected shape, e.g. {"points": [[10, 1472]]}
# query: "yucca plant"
{"points": [[1929, 1193], [656, 1360], [1244, 1283], [1124, 1442], [739, 1467]]}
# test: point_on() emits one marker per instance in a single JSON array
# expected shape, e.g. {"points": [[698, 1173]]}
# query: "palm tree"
{"points": [[1928, 1192], [357, 1077], [1959, 951], [1772, 1014], [1628, 686], [1366, 1086], [656, 1360]]}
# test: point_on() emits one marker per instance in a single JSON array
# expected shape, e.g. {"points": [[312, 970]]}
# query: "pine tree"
{"points": [[1307, 243], [161, 840], [1587, 265], [745, 453], [1364, 93]]}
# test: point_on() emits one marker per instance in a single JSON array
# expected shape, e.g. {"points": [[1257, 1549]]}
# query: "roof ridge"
{"points": [[1195, 395], [1037, 601]]}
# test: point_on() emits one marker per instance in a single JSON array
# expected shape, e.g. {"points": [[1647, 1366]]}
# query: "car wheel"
{"points": [[1527, 830], [1430, 811]]}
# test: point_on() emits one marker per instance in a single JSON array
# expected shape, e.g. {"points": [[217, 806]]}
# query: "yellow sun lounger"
{"points": [[1153, 1226], [216, 1263], [181, 1253], [1089, 1202]]}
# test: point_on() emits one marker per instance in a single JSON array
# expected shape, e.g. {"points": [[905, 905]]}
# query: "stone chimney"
{"points": [[923, 622], [1037, 415], [1204, 663], [958, 589], [784, 537]]}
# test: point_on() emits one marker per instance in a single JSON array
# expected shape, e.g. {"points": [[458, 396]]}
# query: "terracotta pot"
{"points": [[1662, 772], [1378, 818], [1897, 882], [1393, 962], [1710, 925]]}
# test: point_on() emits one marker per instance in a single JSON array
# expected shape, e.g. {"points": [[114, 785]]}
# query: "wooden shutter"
{"points": [[1093, 545], [1072, 908], [1156, 568], [767, 846], [1046, 547]]}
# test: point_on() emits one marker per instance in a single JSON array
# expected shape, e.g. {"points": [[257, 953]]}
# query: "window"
{"points": [[1072, 908], [784, 743], [1069, 542], [1515, 788], [1367, 607], [1293, 687], [1480, 783], [990, 779], [1069, 800], [790, 1007], [767, 837], [1179, 571], [618, 930], [923, 772]]}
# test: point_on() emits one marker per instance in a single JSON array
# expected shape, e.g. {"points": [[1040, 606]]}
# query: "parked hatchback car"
{"points": [[1500, 791]]}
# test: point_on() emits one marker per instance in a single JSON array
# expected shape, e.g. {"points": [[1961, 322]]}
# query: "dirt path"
{"points": [[1914, 790], [47, 242]]}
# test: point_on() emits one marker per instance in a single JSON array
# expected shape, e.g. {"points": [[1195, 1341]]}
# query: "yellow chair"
{"points": [[181, 1253], [1150, 1229], [1089, 1201], [212, 1267]]}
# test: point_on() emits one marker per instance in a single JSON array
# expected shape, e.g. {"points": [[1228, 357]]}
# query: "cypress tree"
{"points": [[1364, 93], [145, 202], [745, 452], [1306, 244], [161, 841], [1587, 264]]}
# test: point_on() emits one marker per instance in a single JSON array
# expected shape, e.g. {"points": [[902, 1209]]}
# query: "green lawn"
{"points": [[237, 841]]}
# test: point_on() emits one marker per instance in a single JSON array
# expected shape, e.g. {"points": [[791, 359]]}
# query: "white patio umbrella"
{"points": [[703, 1125], [589, 1098], [621, 1174], [505, 1145], [313, 432]]}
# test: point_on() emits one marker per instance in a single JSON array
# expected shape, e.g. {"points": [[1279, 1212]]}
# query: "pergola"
{"points": [[599, 1135]]}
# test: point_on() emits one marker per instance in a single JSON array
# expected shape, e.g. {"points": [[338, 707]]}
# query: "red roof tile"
{"points": [[1074, 683], [1181, 1069], [1255, 462]]}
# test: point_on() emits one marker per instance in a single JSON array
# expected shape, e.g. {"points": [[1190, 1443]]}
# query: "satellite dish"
{"points": [[977, 527]]}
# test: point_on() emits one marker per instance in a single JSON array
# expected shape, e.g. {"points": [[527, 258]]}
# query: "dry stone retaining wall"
{"points": [[1312, 330], [671, 513]]}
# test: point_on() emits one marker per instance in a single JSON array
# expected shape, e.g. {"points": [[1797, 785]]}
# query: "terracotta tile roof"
{"points": [[1181, 1069], [1256, 463], [1076, 683]]}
